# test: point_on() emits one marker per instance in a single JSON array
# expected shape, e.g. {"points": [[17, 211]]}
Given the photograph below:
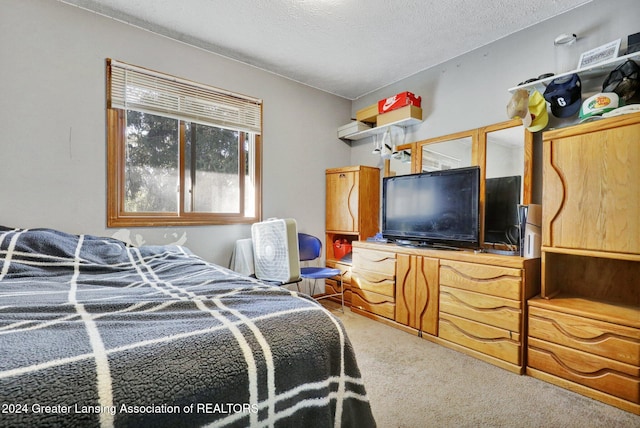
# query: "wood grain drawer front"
{"points": [[490, 310], [375, 303], [489, 340], [346, 269], [613, 341], [494, 280], [377, 282], [378, 261], [606, 375], [333, 287]]}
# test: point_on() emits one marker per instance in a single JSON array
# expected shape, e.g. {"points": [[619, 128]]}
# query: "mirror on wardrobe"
{"points": [[447, 152], [505, 150]]}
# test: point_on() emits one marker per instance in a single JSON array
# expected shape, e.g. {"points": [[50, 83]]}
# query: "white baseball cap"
{"points": [[598, 104]]}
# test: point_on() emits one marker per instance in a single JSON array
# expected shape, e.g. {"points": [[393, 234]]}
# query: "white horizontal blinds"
{"points": [[136, 88]]}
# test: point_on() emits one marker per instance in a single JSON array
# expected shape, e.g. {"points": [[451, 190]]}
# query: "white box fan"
{"points": [[275, 250]]}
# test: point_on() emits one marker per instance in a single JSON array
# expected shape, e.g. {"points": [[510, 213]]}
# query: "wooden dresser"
{"points": [[472, 302], [584, 328]]}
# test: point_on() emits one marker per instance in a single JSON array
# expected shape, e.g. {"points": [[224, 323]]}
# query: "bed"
{"points": [[94, 332]]}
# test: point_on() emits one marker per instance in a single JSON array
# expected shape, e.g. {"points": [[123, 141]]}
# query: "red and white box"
{"points": [[397, 101]]}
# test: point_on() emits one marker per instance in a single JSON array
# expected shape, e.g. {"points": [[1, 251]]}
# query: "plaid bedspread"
{"points": [[94, 332]]}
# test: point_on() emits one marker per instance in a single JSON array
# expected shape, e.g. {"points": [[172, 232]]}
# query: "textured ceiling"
{"points": [[345, 47]]}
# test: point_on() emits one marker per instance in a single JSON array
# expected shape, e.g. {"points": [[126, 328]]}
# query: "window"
{"points": [[179, 153]]}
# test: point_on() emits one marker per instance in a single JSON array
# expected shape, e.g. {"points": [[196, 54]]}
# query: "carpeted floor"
{"points": [[413, 383]]}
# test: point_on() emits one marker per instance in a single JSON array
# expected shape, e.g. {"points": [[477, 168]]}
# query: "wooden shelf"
{"points": [[591, 253]]}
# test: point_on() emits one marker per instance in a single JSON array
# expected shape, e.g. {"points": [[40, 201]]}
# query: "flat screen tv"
{"points": [[502, 197], [433, 209]]}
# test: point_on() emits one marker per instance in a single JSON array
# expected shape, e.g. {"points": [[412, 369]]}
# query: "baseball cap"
{"points": [[624, 80], [631, 108], [598, 104], [565, 95], [518, 107], [538, 111]]}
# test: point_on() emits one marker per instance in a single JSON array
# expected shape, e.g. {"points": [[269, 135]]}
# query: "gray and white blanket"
{"points": [[94, 332]]}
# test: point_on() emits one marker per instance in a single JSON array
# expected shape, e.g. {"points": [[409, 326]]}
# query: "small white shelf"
{"points": [[595, 70], [410, 121]]}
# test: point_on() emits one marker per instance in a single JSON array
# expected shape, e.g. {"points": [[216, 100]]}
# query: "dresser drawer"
{"points": [[608, 340], [377, 261], [333, 287], [494, 280], [603, 374], [381, 283], [344, 268], [489, 340], [375, 303], [495, 311]]}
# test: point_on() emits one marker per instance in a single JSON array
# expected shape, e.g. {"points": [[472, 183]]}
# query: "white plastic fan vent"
{"points": [[275, 250]]}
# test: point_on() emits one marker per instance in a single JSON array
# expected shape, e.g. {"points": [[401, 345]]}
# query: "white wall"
{"points": [[471, 90], [52, 113]]}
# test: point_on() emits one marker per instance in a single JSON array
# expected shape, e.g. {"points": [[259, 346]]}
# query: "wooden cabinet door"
{"points": [[591, 196], [417, 292], [342, 201]]}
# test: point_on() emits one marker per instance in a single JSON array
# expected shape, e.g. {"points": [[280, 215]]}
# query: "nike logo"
{"points": [[389, 102]]}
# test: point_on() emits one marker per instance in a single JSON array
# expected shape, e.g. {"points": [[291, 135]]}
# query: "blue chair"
{"points": [[310, 248]]}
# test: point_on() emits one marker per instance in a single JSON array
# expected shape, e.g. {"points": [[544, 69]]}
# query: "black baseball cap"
{"points": [[624, 80], [565, 95]]}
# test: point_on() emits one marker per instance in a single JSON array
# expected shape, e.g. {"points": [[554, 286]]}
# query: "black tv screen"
{"points": [[502, 196], [438, 208]]}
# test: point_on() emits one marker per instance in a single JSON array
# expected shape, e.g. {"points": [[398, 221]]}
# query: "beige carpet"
{"points": [[413, 383]]}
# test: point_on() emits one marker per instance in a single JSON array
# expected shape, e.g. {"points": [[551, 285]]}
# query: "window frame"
{"points": [[117, 217]]}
